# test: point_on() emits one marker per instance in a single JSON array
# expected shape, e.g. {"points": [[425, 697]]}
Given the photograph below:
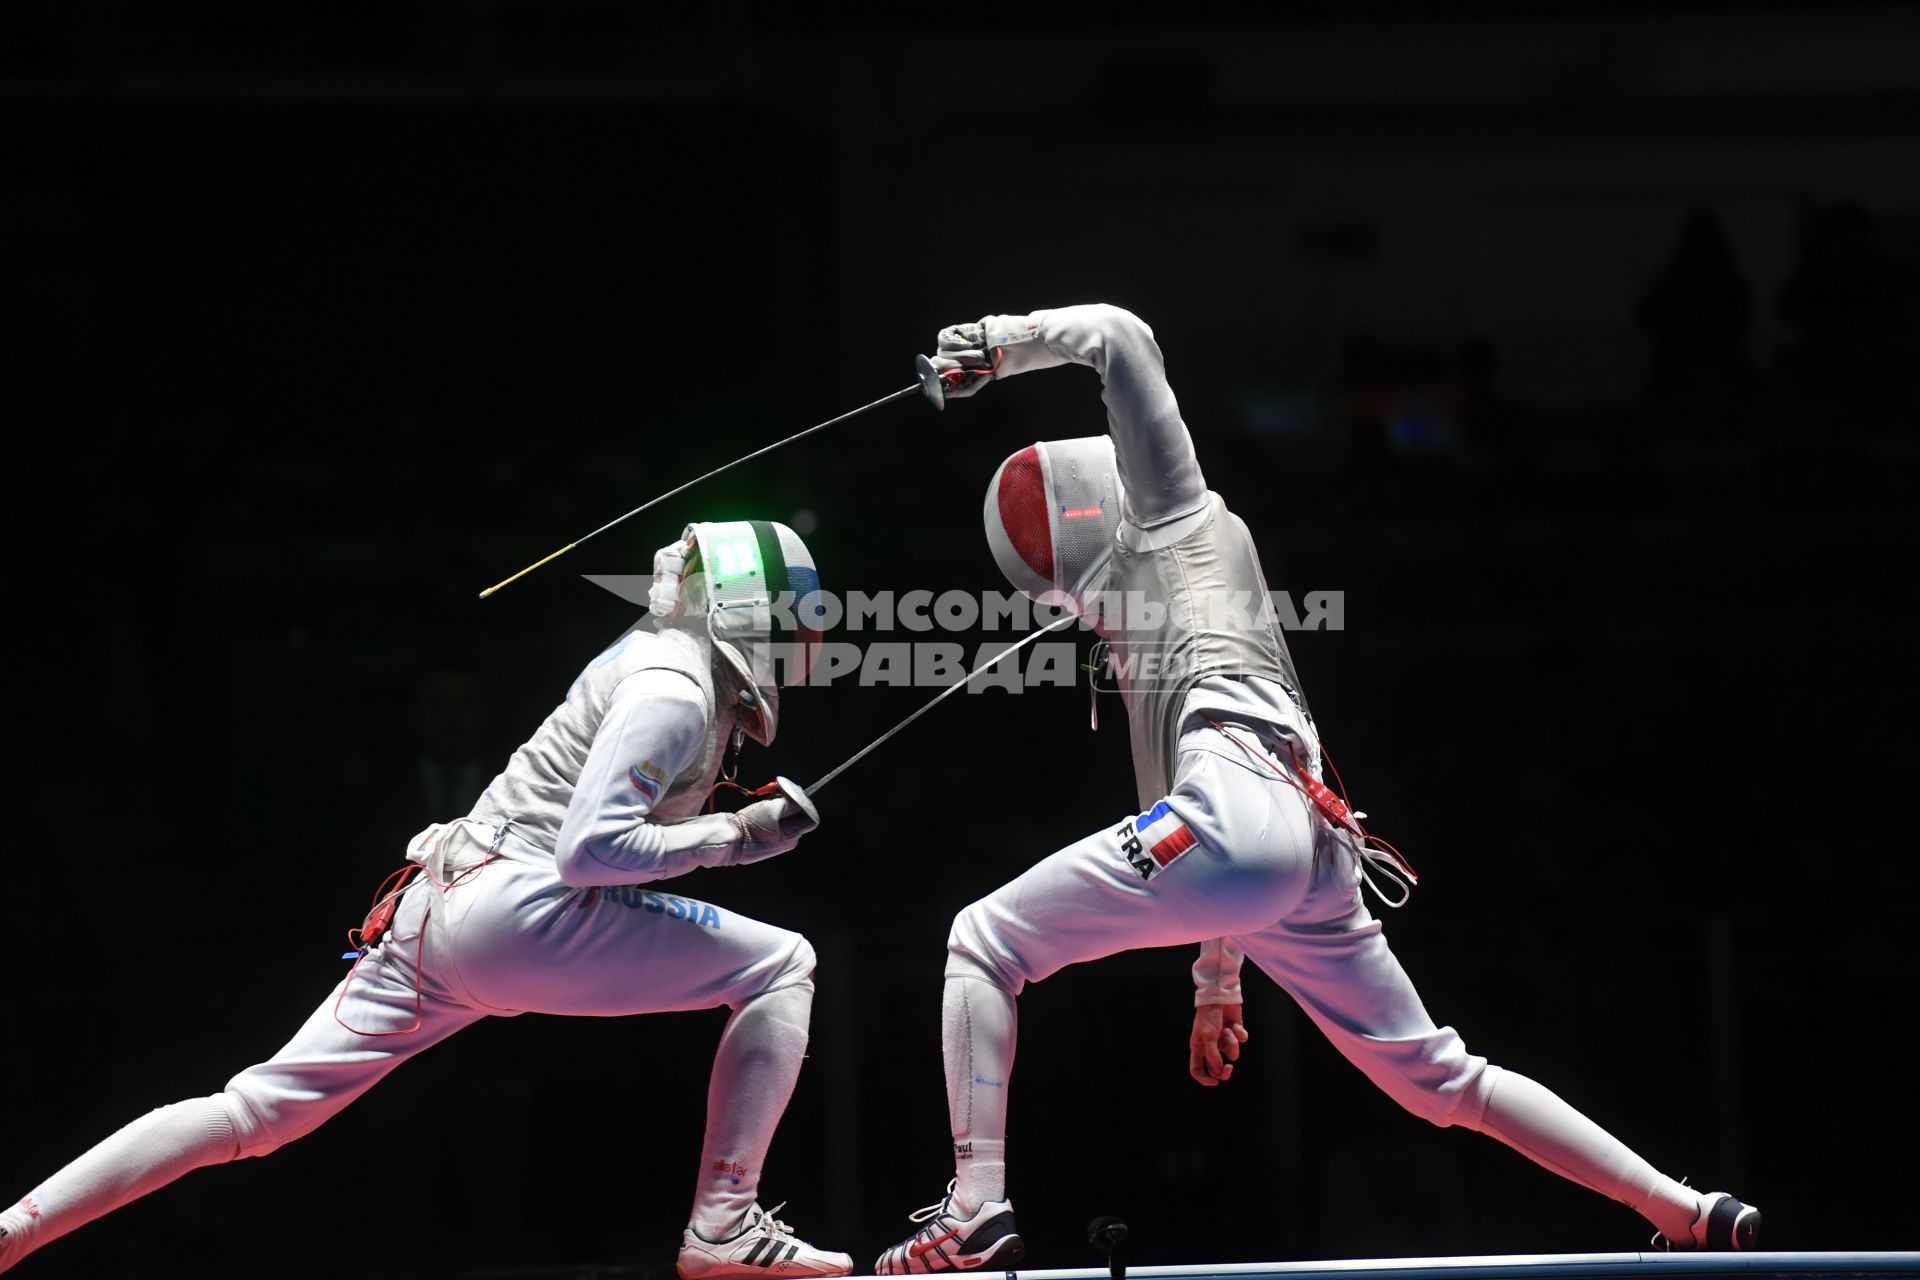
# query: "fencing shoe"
{"points": [[1724, 1224], [946, 1241], [765, 1246]]}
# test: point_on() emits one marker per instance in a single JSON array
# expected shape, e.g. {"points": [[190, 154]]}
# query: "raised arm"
{"points": [[1158, 469], [654, 727]]}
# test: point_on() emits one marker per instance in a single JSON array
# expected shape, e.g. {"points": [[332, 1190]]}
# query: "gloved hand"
{"points": [[770, 826], [1214, 1046], [669, 563], [962, 360]]}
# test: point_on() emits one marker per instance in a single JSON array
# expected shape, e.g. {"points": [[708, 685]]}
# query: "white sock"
{"points": [[754, 1071], [141, 1158], [978, 1029], [1534, 1121], [980, 1173]]}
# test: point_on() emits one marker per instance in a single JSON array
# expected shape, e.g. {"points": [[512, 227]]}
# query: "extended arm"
{"points": [[654, 727], [1158, 469]]}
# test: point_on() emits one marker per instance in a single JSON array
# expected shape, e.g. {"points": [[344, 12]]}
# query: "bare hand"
{"points": [[1215, 1044]]}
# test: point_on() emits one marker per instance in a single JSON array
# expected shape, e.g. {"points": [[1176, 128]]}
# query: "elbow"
{"points": [[1119, 326], [574, 859], [1118, 337], [570, 862]]}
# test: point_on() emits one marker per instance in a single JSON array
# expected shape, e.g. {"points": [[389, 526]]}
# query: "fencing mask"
{"points": [[754, 583], [1051, 512]]}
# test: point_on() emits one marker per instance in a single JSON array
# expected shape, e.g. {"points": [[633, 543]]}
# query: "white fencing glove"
{"points": [[669, 564], [969, 356], [962, 360], [774, 825]]}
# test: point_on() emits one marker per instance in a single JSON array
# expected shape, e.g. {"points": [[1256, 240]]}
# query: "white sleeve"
{"points": [[1216, 974], [655, 726], [1158, 468]]}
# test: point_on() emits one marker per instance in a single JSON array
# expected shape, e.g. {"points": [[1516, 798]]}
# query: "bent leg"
{"points": [[322, 1069], [1238, 851], [754, 1072], [530, 943]]}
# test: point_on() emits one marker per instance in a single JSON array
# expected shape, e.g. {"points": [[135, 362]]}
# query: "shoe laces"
{"points": [[933, 1211], [772, 1225]]}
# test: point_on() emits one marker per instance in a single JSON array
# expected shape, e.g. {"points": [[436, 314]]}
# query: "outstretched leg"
{"points": [[322, 1069], [142, 1157], [1332, 957]]}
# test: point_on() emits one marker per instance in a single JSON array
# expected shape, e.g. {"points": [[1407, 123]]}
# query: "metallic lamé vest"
{"points": [[536, 787], [1214, 617]]}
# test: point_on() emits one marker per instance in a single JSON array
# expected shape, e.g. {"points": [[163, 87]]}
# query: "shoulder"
{"points": [[667, 686]]}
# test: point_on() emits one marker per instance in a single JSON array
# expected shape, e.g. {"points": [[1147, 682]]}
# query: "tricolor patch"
{"points": [[1163, 834], [1154, 839], [642, 782]]}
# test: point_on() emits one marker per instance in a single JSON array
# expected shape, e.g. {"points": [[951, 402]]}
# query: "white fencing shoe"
{"points": [[765, 1246], [946, 1241]]}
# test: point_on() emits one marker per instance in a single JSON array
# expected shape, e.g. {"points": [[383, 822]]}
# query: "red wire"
{"points": [[769, 789], [1348, 824], [419, 1014], [381, 897], [1338, 781]]}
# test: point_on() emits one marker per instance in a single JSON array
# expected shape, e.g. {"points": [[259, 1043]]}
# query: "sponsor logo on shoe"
{"points": [[920, 1247]]}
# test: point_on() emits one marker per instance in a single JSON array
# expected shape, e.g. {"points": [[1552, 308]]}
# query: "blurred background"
{"points": [[1575, 344]]}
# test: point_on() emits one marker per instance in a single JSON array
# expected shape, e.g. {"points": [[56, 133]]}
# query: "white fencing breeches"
{"points": [[1262, 869], [509, 938]]}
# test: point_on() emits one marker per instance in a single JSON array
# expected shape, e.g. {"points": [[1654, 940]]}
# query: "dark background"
{"points": [[1577, 350]]}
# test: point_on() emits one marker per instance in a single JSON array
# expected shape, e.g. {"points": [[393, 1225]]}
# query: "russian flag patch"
{"points": [[645, 785], [1154, 839]]}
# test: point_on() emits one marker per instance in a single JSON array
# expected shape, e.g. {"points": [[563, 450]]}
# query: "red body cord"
{"points": [[386, 903], [1336, 808]]}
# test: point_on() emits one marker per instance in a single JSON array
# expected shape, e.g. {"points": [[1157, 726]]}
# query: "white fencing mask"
{"points": [[755, 584], [1051, 513]]}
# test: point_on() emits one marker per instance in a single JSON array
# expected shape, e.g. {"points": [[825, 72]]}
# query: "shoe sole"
{"points": [[762, 1272], [1007, 1253]]}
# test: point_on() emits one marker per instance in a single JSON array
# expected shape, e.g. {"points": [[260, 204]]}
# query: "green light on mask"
{"points": [[735, 556]]}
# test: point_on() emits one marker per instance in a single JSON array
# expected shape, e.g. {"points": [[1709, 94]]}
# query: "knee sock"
{"points": [[978, 1031], [754, 1072], [1534, 1121], [141, 1158]]}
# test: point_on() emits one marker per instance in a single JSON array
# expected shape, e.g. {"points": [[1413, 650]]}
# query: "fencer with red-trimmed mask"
{"points": [[1237, 844], [542, 899]]}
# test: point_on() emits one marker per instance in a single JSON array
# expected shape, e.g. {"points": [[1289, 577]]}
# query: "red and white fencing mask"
{"points": [[1051, 513]]}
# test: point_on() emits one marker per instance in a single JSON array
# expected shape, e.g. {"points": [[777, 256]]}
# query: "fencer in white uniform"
{"points": [[534, 903], [1230, 848]]}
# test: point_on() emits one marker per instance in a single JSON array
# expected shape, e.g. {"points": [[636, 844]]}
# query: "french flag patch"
{"points": [[1163, 834], [1154, 839]]}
